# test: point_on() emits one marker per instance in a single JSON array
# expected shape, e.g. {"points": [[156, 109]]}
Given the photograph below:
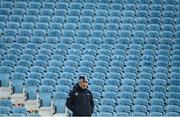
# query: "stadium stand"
{"points": [[129, 50]]}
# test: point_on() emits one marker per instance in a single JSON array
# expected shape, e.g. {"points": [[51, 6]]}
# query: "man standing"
{"points": [[80, 99]]}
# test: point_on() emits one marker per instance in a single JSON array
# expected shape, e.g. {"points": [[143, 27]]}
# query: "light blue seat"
{"points": [[99, 69], [146, 69], [62, 5], [126, 95], [156, 108], [104, 114], [172, 114], [64, 81], [109, 95], [111, 88], [31, 88], [8, 63], [54, 33], [54, 25], [159, 88], [75, 52], [86, 19], [127, 88], [62, 88], [128, 82], [89, 5], [46, 12], [34, 5], [155, 114], [67, 75], [114, 75], [106, 108], [103, 6], [58, 57], [73, 19], [160, 95], [161, 82], [88, 12], [6, 4], [121, 114], [172, 108], [174, 82], [156, 101], [122, 108], [54, 69], [98, 75], [71, 63], [60, 12], [5, 110], [97, 97], [58, 19], [40, 63], [130, 70], [45, 94], [138, 114], [19, 110], [124, 102], [18, 11], [172, 101], [129, 75], [114, 82], [96, 81], [73, 57], [140, 108], [141, 101], [143, 88], [37, 69], [59, 102], [116, 63], [174, 95], [86, 63], [49, 82], [6, 103], [144, 82], [115, 69], [69, 69], [142, 94], [34, 75], [18, 80], [110, 102], [95, 88], [101, 63]]}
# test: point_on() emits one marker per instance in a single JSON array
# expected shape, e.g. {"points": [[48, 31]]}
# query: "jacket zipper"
{"points": [[84, 100]]}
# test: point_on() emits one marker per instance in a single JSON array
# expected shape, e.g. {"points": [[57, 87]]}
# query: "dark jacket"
{"points": [[80, 101]]}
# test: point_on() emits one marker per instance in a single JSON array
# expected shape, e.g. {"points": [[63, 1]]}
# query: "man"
{"points": [[80, 99]]}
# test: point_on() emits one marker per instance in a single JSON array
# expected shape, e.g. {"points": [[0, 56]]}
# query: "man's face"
{"points": [[83, 84]]}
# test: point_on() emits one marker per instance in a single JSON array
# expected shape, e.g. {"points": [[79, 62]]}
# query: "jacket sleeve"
{"points": [[70, 101], [92, 103]]}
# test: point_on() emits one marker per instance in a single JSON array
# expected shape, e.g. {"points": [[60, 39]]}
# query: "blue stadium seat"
{"points": [[59, 101], [122, 108], [19, 110], [110, 102], [106, 108], [45, 94], [141, 101], [6, 103], [62, 88], [124, 102], [110, 95], [64, 81], [18, 80], [31, 88]]}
